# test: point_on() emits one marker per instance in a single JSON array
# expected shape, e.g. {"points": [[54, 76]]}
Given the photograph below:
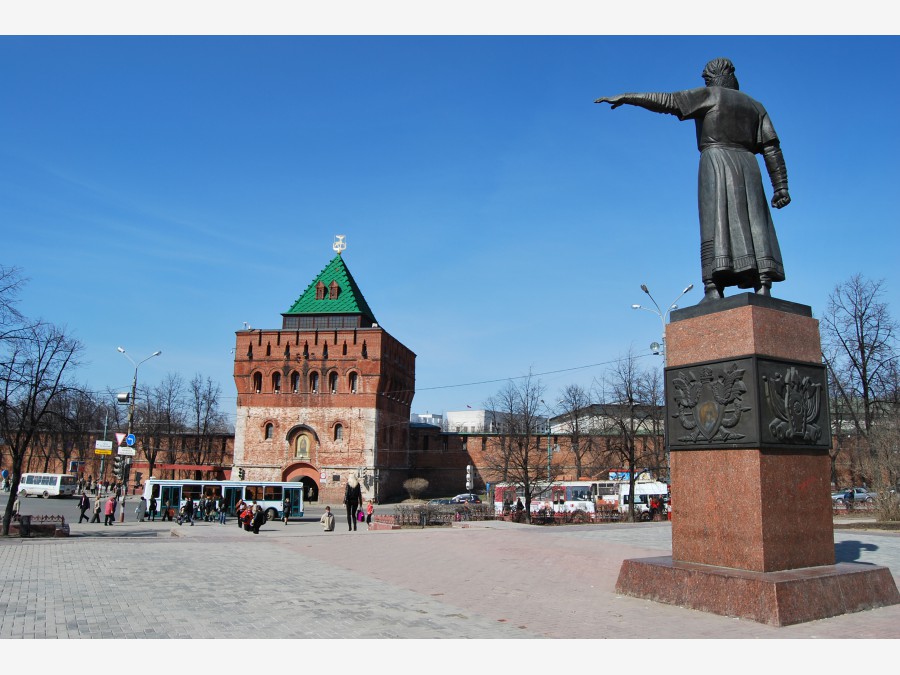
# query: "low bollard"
{"points": [[24, 526]]}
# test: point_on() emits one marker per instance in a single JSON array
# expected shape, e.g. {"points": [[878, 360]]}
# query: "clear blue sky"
{"points": [[160, 191]]}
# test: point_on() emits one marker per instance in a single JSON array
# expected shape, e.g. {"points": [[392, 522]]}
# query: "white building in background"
{"points": [[427, 418], [484, 421]]}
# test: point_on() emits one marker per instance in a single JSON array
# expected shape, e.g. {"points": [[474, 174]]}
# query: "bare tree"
{"points": [[859, 342], [35, 365], [629, 416], [161, 419], [205, 417], [11, 282], [517, 457], [573, 405]]}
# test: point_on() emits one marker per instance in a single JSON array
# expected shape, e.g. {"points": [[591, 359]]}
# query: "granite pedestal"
{"points": [[748, 435]]}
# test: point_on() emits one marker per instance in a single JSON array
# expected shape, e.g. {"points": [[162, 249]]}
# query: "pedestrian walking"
{"points": [[98, 507], [141, 509], [167, 512], [220, 509], [16, 505], [370, 509], [84, 503], [352, 500], [189, 509], [109, 511], [151, 509], [285, 509], [327, 520]]}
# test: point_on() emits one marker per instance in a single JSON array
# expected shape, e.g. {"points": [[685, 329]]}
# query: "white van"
{"points": [[47, 485]]}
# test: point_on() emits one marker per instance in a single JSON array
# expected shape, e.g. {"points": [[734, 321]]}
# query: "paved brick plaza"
{"points": [[496, 580]]}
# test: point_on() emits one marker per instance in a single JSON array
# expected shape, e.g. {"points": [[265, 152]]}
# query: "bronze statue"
{"points": [[738, 246]]}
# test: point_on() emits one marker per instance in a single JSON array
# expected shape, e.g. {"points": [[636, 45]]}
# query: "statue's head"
{"points": [[720, 73]]}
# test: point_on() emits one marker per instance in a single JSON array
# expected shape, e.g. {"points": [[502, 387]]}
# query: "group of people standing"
{"points": [[251, 516]]}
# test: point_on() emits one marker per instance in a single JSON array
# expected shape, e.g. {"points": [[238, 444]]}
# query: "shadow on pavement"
{"points": [[850, 551]]}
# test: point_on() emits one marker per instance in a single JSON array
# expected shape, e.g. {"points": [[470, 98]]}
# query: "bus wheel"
{"points": [[271, 514], [46, 495], [23, 493]]}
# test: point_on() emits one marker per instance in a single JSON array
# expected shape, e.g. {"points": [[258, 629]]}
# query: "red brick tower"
{"points": [[326, 396]]}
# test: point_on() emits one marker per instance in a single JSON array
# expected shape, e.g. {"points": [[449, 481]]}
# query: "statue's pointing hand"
{"points": [[614, 101]]}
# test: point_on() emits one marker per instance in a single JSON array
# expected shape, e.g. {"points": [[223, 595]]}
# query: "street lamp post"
{"points": [[656, 347], [663, 317], [137, 365]]}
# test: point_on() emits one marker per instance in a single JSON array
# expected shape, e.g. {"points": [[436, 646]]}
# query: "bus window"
{"points": [[272, 493], [192, 491], [253, 493], [214, 491]]}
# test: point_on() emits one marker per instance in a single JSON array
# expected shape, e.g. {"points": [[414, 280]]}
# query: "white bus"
{"points": [[269, 496], [47, 485]]}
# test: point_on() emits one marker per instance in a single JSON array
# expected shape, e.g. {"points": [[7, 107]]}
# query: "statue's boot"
{"points": [[711, 292], [765, 286]]}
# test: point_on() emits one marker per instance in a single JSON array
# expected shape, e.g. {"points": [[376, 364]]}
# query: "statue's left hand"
{"points": [[781, 198]]}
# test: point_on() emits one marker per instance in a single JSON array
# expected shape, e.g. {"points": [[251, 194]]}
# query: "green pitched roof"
{"points": [[350, 299]]}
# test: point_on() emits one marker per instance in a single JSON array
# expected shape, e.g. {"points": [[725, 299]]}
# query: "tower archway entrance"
{"points": [[306, 474]]}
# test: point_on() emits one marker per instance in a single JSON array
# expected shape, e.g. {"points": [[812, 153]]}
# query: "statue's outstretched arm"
{"points": [[660, 103], [777, 174]]}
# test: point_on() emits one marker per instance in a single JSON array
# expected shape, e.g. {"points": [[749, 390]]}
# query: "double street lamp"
{"points": [[663, 317]]}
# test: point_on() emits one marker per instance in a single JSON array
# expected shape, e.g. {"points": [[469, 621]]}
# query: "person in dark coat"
{"points": [[84, 503], [189, 510], [352, 500], [258, 519]]}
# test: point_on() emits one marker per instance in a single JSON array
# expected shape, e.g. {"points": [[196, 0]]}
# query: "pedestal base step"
{"points": [[775, 598]]}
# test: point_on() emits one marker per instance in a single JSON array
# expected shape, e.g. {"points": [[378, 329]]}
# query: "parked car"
{"points": [[467, 498], [858, 494], [440, 502]]}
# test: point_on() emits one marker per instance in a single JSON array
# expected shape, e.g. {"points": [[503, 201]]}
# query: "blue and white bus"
{"points": [[269, 496]]}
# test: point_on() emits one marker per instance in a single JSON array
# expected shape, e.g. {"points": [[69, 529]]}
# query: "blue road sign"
{"points": [[129, 440]]}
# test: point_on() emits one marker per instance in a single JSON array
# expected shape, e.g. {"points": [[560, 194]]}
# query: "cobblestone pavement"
{"points": [[485, 580]]}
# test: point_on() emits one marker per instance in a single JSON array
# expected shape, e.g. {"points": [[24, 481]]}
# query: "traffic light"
{"points": [[123, 398], [470, 477], [119, 467], [240, 474]]}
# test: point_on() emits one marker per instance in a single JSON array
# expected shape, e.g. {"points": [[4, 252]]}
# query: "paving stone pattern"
{"points": [[498, 580]]}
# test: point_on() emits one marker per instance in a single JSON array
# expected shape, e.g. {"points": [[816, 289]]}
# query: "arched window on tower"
{"points": [[365, 350], [354, 382], [276, 382], [332, 382], [338, 432], [320, 291], [314, 383], [295, 382], [270, 431], [257, 382], [333, 290]]}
